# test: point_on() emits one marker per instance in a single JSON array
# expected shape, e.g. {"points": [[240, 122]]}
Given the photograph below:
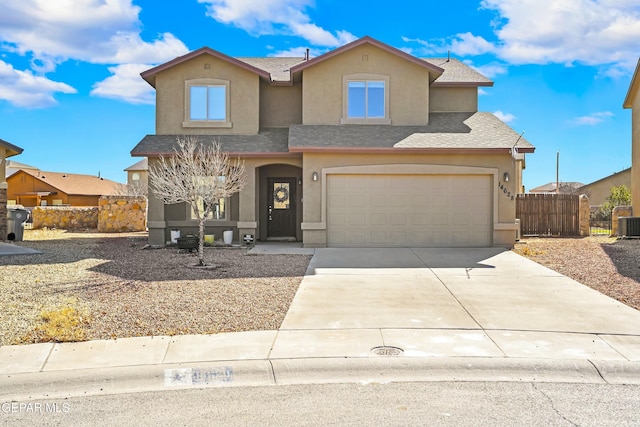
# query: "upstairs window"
{"points": [[365, 99], [207, 103]]}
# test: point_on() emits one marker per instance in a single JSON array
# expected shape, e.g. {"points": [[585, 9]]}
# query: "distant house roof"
{"points": [[75, 184], [142, 165], [565, 188], [11, 150], [279, 70], [18, 165]]}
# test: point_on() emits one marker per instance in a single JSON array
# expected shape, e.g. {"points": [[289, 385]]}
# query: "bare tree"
{"points": [[199, 175], [134, 188]]}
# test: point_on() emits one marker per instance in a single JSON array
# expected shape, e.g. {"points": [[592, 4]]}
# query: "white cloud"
{"points": [[126, 84], [24, 89], [93, 31], [489, 70], [591, 32], [463, 44], [275, 17], [592, 119], [505, 117]]}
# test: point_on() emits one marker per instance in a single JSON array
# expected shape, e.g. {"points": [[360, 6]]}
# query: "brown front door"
{"points": [[281, 215]]}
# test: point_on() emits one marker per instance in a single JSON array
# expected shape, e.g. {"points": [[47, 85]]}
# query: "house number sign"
{"points": [[505, 191]]}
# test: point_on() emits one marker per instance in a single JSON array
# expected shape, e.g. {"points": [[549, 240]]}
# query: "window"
{"points": [[135, 176], [365, 99], [206, 103], [219, 208], [218, 212]]}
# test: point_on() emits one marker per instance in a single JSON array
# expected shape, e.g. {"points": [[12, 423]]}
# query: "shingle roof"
{"points": [[267, 141], [278, 67], [445, 131], [142, 165], [75, 184], [457, 72]]}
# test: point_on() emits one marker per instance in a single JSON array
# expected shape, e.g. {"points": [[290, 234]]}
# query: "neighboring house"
{"points": [[6, 150], [138, 172], [13, 167], [138, 176], [565, 188], [39, 188], [599, 190], [365, 145], [632, 101]]}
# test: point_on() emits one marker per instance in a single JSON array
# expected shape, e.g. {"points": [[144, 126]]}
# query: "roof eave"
{"points": [[633, 89], [10, 149], [408, 150], [462, 84], [150, 75], [368, 40]]}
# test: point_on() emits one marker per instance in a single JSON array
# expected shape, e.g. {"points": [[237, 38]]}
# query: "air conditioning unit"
{"points": [[629, 226]]}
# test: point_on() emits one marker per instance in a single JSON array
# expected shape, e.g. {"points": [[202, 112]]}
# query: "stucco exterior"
{"points": [[632, 101], [289, 122]]}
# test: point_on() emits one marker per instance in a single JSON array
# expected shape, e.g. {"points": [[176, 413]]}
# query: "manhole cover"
{"points": [[386, 350]]}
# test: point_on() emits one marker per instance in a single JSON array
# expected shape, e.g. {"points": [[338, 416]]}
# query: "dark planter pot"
{"points": [[188, 242]]}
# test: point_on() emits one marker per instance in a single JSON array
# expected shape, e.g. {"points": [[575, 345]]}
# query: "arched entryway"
{"points": [[280, 202]]}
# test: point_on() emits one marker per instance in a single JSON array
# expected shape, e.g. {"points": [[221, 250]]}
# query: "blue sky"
{"points": [[72, 97]]}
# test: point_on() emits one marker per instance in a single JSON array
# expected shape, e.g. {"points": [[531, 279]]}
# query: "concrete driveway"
{"points": [[486, 302]]}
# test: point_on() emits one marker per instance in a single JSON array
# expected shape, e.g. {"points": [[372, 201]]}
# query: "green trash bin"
{"points": [[16, 217]]}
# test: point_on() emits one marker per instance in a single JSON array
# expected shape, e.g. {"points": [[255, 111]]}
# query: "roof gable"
{"points": [[434, 70], [150, 75], [73, 184]]}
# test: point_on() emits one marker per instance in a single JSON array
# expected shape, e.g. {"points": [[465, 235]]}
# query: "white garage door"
{"points": [[409, 210]]}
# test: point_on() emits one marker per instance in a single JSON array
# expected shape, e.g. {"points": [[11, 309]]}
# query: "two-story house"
{"points": [[632, 101], [365, 145]]}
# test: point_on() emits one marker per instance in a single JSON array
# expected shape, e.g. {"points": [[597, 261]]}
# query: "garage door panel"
{"points": [[409, 210]]}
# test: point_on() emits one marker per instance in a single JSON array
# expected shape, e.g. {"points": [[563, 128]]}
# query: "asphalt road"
{"points": [[432, 403]]}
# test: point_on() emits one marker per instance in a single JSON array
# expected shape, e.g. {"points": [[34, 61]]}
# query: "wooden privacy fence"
{"points": [[548, 214]]}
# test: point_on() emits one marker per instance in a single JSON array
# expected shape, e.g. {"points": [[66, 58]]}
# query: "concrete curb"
{"points": [[260, 373]]}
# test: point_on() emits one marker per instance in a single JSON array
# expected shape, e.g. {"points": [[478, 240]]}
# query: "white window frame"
{"points": [[364, 77], [188, 122]]}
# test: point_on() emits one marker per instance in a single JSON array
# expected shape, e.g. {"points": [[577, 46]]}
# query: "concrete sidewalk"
{"points": [[7, 249], [372, 315]]}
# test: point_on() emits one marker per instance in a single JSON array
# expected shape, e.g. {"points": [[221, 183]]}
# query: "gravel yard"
{"points": [[122, 290], [118, 289], [605, 264]]}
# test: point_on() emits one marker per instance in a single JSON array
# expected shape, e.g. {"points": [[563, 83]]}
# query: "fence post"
{"points": [[584, 215]]}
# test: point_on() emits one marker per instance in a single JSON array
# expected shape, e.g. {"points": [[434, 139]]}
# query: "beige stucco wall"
{"points": [[600, 190], [314, 227], [322, 87], [635, 155], [244, 93], [453, 99], [280, 106]]}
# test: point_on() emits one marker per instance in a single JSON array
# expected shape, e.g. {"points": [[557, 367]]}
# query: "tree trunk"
{"points": [[201, 241]]}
